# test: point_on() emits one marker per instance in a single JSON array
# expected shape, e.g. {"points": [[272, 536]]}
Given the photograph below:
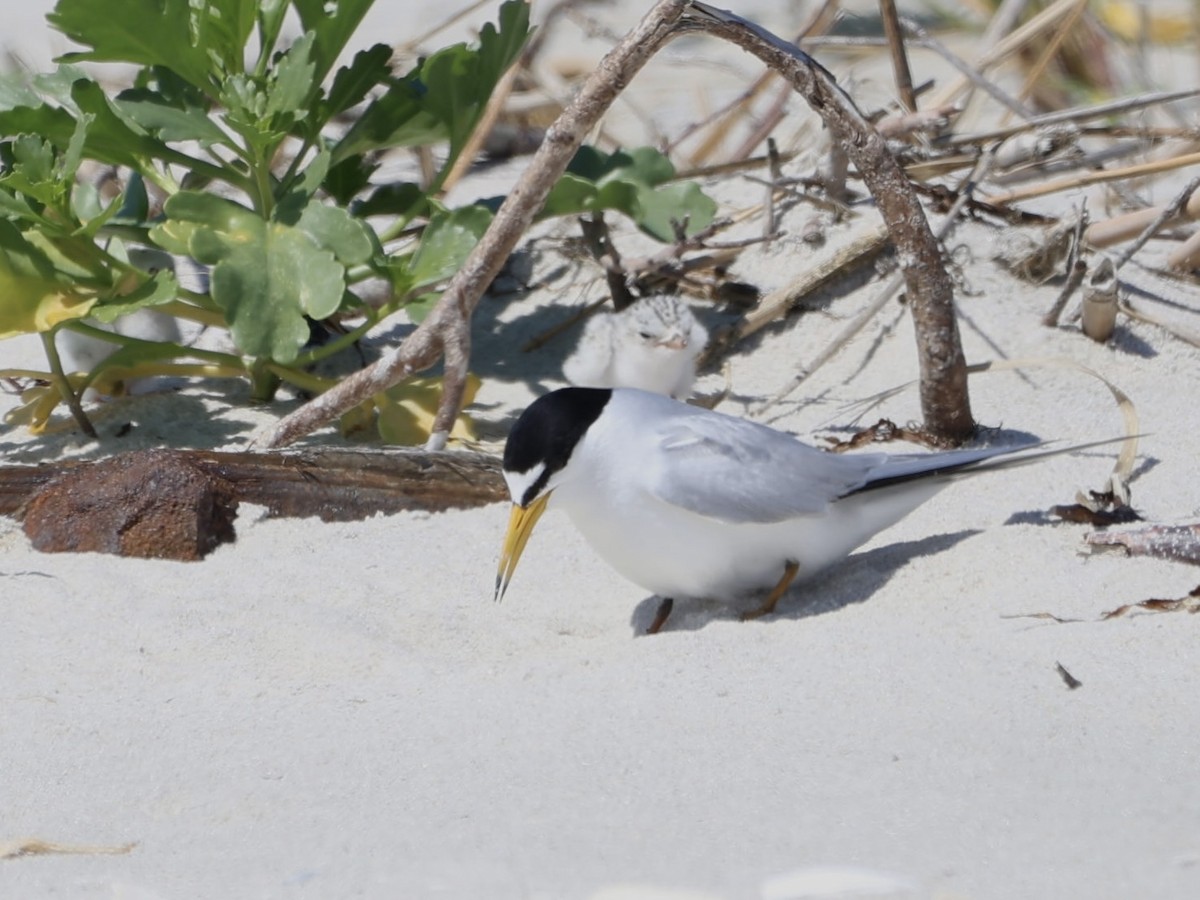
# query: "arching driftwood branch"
{"points": [[945, 404], [446, 330], [445, 333]]}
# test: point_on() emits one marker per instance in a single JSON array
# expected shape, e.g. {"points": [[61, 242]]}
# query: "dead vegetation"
{"points": [[994, 143], [923, 156]]}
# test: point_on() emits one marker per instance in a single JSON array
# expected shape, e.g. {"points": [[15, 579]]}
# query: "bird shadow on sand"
{"points": [[854, 580]]}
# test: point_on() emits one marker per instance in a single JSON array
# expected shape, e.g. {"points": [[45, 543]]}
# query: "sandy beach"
{"points": [[338, 710]]}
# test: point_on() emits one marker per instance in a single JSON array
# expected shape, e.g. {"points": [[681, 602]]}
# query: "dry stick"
{"points": [[776, 174], [886, 292], [1076, 114], [721, 120], [1076, 181], [1076, 270], [943, 384], [1186, 254], [900, 70], [1127, 226], [1056, 41], [1003, 19], [1168, 212], [599, 241], [779, 302], [1188, 337], [1043, 21], [38, 847], [945, 404], [446, 330], [1075, 275], [483, 128], [928, 41]]}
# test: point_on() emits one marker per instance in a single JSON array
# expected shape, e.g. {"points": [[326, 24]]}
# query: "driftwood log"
{"points": [[180, 504]]}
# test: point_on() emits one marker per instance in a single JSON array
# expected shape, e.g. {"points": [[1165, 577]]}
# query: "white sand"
{"points": [[339, 710]]}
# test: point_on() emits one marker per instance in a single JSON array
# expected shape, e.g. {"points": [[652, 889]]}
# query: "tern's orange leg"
{"points": [[768, 607], [660, 617]]}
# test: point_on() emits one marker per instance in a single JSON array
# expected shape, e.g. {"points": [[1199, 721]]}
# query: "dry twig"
{"points": [[885, 293], [446, 331], [944, 401]]}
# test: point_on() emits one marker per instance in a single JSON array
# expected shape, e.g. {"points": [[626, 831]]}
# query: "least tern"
{"points": [[686, 502], [651, 344]]}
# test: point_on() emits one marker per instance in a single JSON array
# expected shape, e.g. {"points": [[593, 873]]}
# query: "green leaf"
{"points": [[681, 203], [267, 275], [151, 111], [174, 236], [18, 207], [157, 289], [20, 257], [271, 14], [292, 81], [135, 202], [345, 179], [310, 180], [447, 240], [89, 208], [352, 83], [222, 28], [401, 198], [627, 181], [644, 165], [112, 136], [32, 299], [142, 32], [332, 24], [443, 97], [460, 81], [395, 119], [30, 169], [334, 229], [15, 91]]}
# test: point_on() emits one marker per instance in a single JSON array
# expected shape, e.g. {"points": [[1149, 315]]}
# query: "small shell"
{"points": [[1100, 301]]}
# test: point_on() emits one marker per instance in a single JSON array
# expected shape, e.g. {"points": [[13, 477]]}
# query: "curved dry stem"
{"points": [[447, 327], [446, 331], [945, 404]]}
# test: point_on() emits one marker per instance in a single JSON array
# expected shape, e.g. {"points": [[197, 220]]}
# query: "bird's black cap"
{"points": [[549, 430]]}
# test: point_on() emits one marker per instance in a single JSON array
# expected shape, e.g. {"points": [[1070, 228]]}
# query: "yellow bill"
{"points": [[520, 526]]}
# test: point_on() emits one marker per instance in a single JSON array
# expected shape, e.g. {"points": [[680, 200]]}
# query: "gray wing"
{"points": [[738, 471]]}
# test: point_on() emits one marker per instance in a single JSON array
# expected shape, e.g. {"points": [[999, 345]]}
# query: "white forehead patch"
{"points": [[520, 482]]}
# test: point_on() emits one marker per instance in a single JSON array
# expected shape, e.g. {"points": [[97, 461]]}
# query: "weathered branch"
{"points": [[447, 326], [943, 385], [944, 399]]}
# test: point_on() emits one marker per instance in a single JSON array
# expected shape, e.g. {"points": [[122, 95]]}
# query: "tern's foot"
{"points": [[768, 607], [660, 617]]}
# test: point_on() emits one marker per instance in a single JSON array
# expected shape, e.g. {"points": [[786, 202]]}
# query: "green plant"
{"points": [[219, 102], [228, 129], [636, 183]]}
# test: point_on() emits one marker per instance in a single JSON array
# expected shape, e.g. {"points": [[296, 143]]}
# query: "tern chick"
{"points": [[652, 344]]}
